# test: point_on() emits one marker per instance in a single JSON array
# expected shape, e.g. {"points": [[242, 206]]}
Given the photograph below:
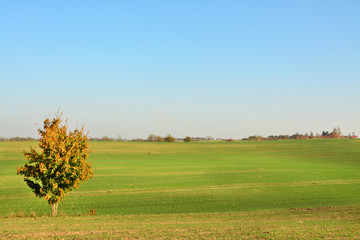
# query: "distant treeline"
{"points": [[151, 138], [336, 133], [156, 138], [2, 139]]}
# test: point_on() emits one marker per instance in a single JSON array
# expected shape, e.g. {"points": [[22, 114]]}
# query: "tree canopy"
{"points": [[169, 138]]}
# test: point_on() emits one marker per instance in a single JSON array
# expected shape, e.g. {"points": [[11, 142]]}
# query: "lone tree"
{"points": [[187, 139], [169, 138], [60, 166]]}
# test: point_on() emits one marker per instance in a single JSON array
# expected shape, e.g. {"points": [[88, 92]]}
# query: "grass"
{"points": [[309, 223], [190, 186]]}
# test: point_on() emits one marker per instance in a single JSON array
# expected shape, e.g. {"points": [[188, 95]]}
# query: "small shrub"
{"points": [[169, 138], [187, 139], [33, 214], [92, 212]]}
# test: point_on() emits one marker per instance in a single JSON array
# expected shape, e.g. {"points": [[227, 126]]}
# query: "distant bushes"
{"points": [[155, 138], [2, 139], [106, 138], [169, 138], [336, 133], [187, 139]]}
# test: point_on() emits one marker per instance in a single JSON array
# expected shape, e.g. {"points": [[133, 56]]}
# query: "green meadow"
{"points": [[206, 187]]}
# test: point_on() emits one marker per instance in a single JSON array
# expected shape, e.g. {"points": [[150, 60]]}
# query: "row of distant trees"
{"points": [[151, 138], [2, 139], [155, 138], [336, 133]]}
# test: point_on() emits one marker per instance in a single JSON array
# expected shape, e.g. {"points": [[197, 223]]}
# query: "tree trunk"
{"points": [[54, 209]]}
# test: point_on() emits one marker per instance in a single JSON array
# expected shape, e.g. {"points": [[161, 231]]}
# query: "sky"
{"points": [[225, 69]]}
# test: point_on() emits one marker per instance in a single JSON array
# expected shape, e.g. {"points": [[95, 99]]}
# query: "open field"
{"points": [[182, 190]]}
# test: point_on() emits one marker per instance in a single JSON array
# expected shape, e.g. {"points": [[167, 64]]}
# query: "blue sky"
{"points": [[197, 68]]}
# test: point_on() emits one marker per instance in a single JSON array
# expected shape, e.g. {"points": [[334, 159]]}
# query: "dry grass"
{"points": [[300, 223]]}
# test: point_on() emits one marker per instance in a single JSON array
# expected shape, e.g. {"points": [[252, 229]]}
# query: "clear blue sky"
{"points": [[197, 68]]}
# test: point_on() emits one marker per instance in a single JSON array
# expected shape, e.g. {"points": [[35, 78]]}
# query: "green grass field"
{"points": [[249, 189]]}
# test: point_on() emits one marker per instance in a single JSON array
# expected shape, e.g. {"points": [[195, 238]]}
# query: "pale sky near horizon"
{"points": [[189, 68]]}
